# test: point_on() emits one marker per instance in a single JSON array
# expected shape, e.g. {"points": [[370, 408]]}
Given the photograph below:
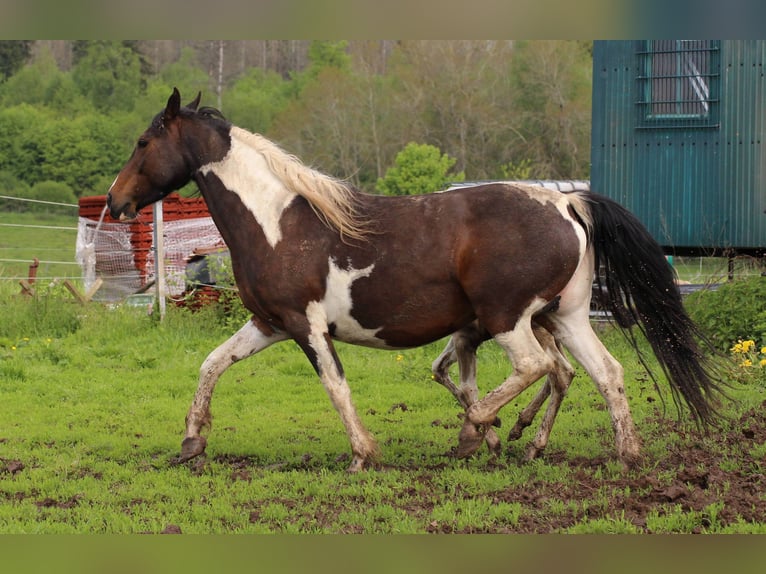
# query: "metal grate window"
{"points": [[678, 83]]}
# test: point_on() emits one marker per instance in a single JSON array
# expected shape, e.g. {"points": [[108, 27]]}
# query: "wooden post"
{"points": [[159, 256]]}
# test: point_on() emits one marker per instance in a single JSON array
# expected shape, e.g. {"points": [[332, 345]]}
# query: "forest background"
{"points": [[71, 111]]}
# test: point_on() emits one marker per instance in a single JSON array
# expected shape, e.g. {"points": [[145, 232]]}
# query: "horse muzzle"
{"points": [[122, 212]]}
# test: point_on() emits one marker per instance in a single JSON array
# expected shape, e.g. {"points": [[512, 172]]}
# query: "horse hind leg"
{"points": [[577, 335], [530, 362], [244, 343]]}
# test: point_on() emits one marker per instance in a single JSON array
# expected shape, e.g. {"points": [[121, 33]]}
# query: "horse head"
{"points": [[160, 162]]}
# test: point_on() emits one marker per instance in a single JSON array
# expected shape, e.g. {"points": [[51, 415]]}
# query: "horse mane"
{"points": [[333, 200]]}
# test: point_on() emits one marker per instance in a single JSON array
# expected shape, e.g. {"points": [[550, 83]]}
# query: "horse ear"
{"points": [[173, 105], [194, 103]]}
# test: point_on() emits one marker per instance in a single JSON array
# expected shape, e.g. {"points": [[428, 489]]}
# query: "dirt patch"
{"points": [[712, 474]]}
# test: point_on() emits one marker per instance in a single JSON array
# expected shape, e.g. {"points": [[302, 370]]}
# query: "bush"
{"points": [[732, 312], [418, 168], [54, 191]]}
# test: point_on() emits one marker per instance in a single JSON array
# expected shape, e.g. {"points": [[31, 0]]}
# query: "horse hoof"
{"points": [[532, 453], [357, 465], [191, 447], [497, 423], [470, 439], [515, 433]]}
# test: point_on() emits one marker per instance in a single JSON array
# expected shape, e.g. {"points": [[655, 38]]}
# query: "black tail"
{"points": [[635, 279]]}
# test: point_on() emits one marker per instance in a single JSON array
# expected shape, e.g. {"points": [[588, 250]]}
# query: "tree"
{"points": [[109, 74], [13, 55], [552, 91], [456, 95], [256, 99], [418, 168]]}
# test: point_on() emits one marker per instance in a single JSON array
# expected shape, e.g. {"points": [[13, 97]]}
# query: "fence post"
{"points": [[159, 256]]}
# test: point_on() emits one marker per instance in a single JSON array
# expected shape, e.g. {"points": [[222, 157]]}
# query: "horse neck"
{"points": [[245, 173]]}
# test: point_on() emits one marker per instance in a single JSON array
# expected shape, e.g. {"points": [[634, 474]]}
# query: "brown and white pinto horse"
{"points": [[316, 261]]}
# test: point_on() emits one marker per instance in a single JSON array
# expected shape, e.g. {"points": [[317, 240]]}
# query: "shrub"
{"points": [[418, 168], [731, 313], [55, 191]]}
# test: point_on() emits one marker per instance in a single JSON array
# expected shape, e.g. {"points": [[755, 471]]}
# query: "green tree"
{"points": [[109, 75], [552, 82], [21, 150], [41, 83], [418, 168], [81, 152], [323, 55], [13, 55], [255, 99]]}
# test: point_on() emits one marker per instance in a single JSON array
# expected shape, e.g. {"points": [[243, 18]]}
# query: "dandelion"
{"points": [[399, 358], [747, 363], [13, 347], [762, 362]]}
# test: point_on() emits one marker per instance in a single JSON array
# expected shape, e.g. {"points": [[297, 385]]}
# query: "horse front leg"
{"points": [[318, 347], [244, 343], [461, 348]]}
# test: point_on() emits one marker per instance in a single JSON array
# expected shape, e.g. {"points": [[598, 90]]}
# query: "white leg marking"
{"points": [[244, 343], [529, 361], [574, 331], [363, 445]]}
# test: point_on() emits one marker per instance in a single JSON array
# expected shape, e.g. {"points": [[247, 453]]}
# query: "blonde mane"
{"points": [[331, 199]]}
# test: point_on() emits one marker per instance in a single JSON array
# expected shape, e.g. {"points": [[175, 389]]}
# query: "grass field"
{"points": [[48, 237], [92, 416]]}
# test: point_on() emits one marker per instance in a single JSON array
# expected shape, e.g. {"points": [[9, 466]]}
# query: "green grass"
{"points": [[94, 412], [54, 248]]}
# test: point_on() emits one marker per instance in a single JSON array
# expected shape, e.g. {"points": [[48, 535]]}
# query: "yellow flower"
{"points": [[13, 347], [748, 345], [400, 357], [762, 362], [747, 363], [763, 350], [25, 339]]}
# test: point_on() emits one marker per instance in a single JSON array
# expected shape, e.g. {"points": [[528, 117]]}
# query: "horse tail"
{"points": [[635, 280]]}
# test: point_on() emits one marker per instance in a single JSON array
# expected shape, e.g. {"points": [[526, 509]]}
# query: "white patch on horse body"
{"points": [[336, 306], [244, 171]]}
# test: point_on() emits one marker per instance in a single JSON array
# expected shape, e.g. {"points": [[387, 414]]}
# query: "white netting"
{"points": [[182, 237], [105, 250]]}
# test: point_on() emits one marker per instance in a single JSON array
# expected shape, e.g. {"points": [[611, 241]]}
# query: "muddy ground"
{"points": [[713, 468]]}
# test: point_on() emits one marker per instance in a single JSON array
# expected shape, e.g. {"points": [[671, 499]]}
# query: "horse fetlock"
{"points": [[493, 442]]}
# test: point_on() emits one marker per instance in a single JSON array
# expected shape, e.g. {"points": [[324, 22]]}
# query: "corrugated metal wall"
{"points": [[695, 188]]}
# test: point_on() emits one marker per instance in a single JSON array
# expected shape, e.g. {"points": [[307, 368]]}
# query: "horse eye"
{"points": [[142, 143]]}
